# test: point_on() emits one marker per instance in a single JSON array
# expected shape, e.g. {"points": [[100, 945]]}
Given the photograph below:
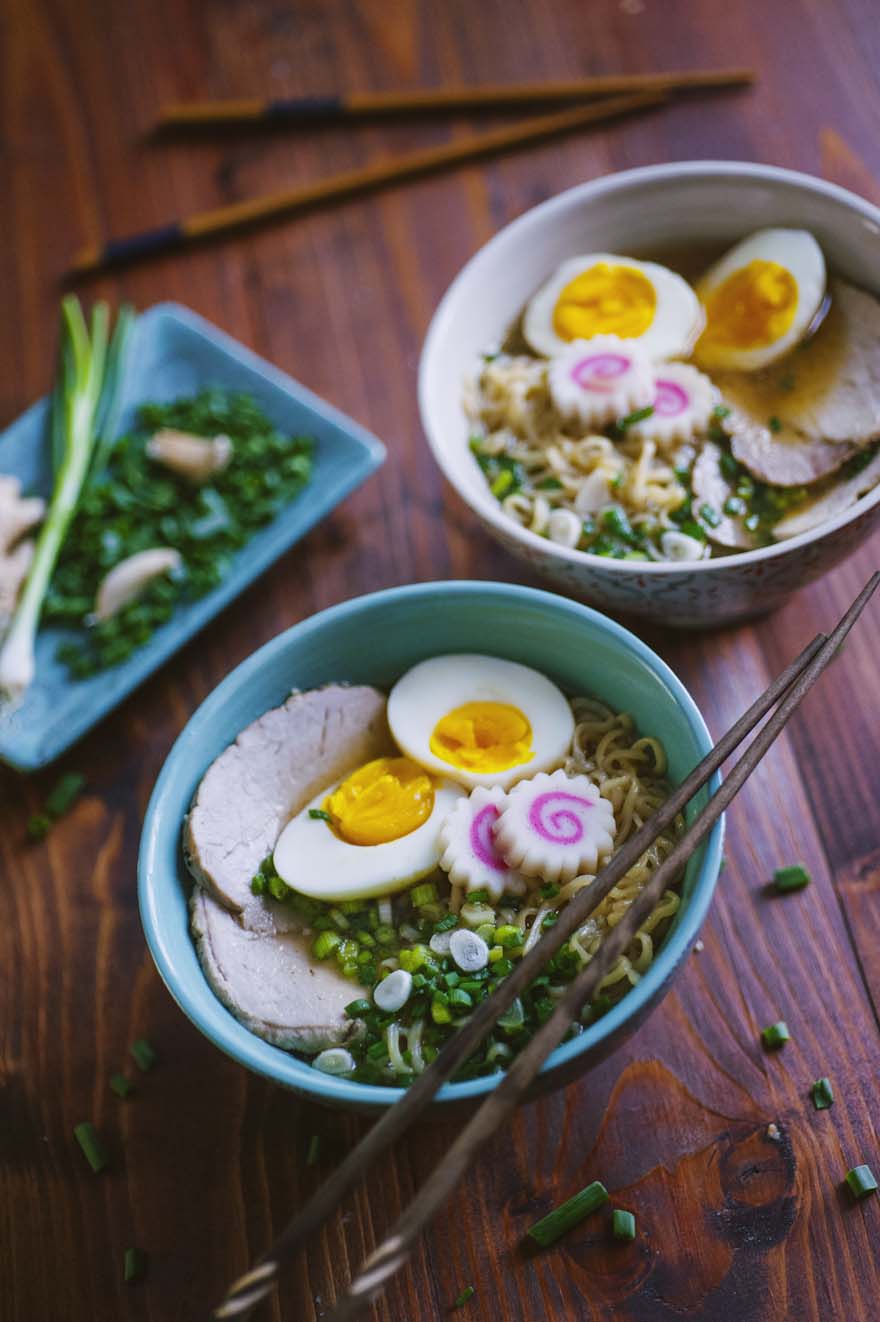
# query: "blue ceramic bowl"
{"points": [[372, 640]]}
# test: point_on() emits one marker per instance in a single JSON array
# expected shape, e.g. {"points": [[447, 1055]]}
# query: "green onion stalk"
{"points": [[84, 411]]}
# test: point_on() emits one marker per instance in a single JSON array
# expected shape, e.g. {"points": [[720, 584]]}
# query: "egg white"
{"points": [[312, 858], [438, 686], [800, 254], [677, 321]]}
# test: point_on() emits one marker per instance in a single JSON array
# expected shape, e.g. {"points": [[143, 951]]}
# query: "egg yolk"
{"points": [[751, 308], [381, 801], [605, 300], [483, 737]]}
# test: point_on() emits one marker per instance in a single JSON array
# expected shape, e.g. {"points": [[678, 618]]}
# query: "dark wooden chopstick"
{"points": [[257, 1283], [240, 215], [395, 1249], [497, 96]]}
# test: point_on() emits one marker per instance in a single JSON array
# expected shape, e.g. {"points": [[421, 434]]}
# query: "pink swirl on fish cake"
{"points": [[599, 371], [481, 839], [670, 399], [560, 826]]}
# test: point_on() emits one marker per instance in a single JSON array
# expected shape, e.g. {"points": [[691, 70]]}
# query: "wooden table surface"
{"points": [[207, 1161]]}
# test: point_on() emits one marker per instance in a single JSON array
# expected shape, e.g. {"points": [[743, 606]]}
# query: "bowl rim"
{"points": [[243, 1046], [622, 181]]}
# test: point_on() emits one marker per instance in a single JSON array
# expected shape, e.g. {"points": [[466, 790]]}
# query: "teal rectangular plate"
{"points": [[175, 352]]}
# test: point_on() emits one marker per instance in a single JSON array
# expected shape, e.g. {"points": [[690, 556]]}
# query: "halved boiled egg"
{"points": [[760, 299], [479, 719], [602, 294], [373, 833]]}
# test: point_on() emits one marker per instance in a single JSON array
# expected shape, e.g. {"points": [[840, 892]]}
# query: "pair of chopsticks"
{"points": [[637, 92], [787, 690]]}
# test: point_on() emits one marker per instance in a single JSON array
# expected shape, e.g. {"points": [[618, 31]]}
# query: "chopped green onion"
{"points": [[259, 884], [549, 484], [357, 1009], [720, 412], [508, 936], [324, 944], [413, 959], [774, 424], [319, 815], [134, 1266], [514, 1016], [710, 515], [467, 1293], [792, 878], [93, 1148], [446, 924], [278, 889], [550, 890], [144, 1055], [478, 897], [623, 1224], [122, 1086], [426, 893], [860, 1181], [556, 1223], [632, 418], [775, 1035], [751, 522], [439, 1012], [314, 1150], [822, 1094], [502, 484]]}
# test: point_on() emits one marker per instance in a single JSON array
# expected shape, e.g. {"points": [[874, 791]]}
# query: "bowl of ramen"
{"points": [[349, 847], [662, 388]]}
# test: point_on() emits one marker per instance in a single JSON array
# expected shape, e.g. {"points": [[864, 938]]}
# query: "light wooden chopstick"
{"points": [[493, 96], [239, 215], [788, 689]]}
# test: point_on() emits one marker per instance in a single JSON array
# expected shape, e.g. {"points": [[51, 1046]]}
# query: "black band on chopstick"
{"points": [[116, 251], [304, 107]]}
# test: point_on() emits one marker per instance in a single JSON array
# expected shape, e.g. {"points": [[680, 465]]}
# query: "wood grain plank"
{"points": [[207, 1160]]}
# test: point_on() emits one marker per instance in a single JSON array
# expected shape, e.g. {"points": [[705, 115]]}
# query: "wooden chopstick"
{"points": [[239, 215], [252, 1287], [395, 1249], [497, 96]]}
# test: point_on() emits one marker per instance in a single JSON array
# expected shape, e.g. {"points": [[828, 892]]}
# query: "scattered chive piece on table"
{"points": [[39, 825], [860, 1181], [135, 1265], [143, 1054], [556, 1223], [467, 1293], [314, 1150], [623, 1224], [319, 815], [59, 800], [93, 1148], [776, 1035], [122, 1086], [822, 1094], [793, 878]]}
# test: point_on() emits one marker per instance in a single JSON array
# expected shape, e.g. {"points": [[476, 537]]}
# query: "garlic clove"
{"points": [[127, 580], [195, 458], [18, 514]]}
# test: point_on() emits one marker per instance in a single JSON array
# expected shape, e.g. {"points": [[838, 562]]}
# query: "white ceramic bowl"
{"points": [[632, 212]]}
